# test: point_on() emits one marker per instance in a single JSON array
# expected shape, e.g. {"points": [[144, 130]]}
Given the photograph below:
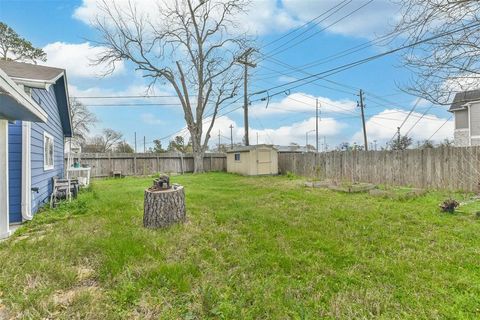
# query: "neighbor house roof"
{"points": [[462, 98], [36, 76], [248, 148]]}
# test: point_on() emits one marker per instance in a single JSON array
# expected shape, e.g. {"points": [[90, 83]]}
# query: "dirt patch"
{"points": [[85, 273], [4, 314], [353, 188], [33, 235], [341, 187], [65, 298], [398, 194], [32, 282], [318, 184]]}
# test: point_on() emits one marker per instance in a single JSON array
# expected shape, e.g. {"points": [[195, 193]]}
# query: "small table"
{"points": [[80, 170]]}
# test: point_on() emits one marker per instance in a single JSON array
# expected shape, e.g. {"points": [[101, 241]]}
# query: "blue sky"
{"points": [[62, 28]]}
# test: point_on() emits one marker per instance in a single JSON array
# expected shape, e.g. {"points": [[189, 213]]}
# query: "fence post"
{"points": [[181, 163], [134, 164]]}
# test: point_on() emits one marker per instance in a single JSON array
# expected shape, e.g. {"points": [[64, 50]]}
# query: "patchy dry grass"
{"points": [[263, 247]]}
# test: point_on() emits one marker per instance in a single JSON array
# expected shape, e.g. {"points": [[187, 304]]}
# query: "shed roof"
{"points": [[462, 98], [248, 148]]}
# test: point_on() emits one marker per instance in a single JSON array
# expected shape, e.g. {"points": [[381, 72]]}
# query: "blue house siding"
{"points": [[41, 178], [15, 171]]}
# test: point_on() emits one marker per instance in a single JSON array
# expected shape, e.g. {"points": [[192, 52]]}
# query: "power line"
{"points": [[418, 120], [132, 104], [406, 118], [124, 97], [303, 25], [347, 66], [272, 53], [440, 127], [373, 97], [344, 53], [336, 8]]}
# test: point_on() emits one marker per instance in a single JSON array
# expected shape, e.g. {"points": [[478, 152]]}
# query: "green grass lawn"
{"points": [[253, 248]]}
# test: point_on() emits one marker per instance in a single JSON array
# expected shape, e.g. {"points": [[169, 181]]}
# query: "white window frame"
{"points": [[47, 167], [239, 156]]}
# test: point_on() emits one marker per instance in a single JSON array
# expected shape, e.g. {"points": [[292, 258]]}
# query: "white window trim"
{"points": [[239, 157], [45, 166]]}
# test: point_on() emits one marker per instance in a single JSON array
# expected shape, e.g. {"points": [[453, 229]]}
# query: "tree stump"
{"points": [[163, 207]]}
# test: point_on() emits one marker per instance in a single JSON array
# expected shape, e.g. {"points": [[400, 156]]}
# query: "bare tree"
{"points": [[110, 139], [450, 61], [190, 44], [82, 120], [124, 147], [105, 142]]}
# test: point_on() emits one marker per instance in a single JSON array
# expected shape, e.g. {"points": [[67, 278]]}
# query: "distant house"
{"points": [[466, 110], [34, 101]]}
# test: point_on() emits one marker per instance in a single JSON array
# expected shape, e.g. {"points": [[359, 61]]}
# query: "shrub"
{"points": [[290, 175]]}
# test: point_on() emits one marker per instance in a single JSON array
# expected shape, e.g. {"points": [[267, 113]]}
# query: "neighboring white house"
{"points": [[466, 110]]}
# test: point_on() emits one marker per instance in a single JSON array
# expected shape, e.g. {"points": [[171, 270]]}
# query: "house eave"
{"points": [[33, 83], [26, 108]]}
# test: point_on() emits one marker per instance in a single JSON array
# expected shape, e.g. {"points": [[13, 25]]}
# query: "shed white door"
{"points": [[264, 162]]}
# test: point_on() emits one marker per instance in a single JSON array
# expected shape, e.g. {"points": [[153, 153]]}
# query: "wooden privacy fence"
{"points": [[137, 164], [441, 168]]}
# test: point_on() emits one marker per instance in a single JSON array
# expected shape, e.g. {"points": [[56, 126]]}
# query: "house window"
{"points": [[47, 151], [461, 119], [237, 156]]}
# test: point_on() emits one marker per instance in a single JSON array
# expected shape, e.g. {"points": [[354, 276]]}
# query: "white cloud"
{"points": [[150, 118], [271, 16], [383, 126], [78, 59], [283, 135], [286, 79], [302, 102], [262, 16], [375, 18]]}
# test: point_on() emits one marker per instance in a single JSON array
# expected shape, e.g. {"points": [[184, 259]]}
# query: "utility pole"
{"points": [[362, 106], [243, 59], [135, 142], [144, 145], [375, 144], [257, 138], [316, 123], [219, 134], [231, 136]]}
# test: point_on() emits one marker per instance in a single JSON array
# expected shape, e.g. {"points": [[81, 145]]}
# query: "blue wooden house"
{"points": [[34, 142]]}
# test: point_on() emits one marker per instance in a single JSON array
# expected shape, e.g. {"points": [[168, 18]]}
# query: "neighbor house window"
{"points": [[237, 156], [47, 151]]}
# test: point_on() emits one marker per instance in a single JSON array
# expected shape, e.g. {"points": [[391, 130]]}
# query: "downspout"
{"points": [[4, 214], [26, 171], [469, 125]]}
